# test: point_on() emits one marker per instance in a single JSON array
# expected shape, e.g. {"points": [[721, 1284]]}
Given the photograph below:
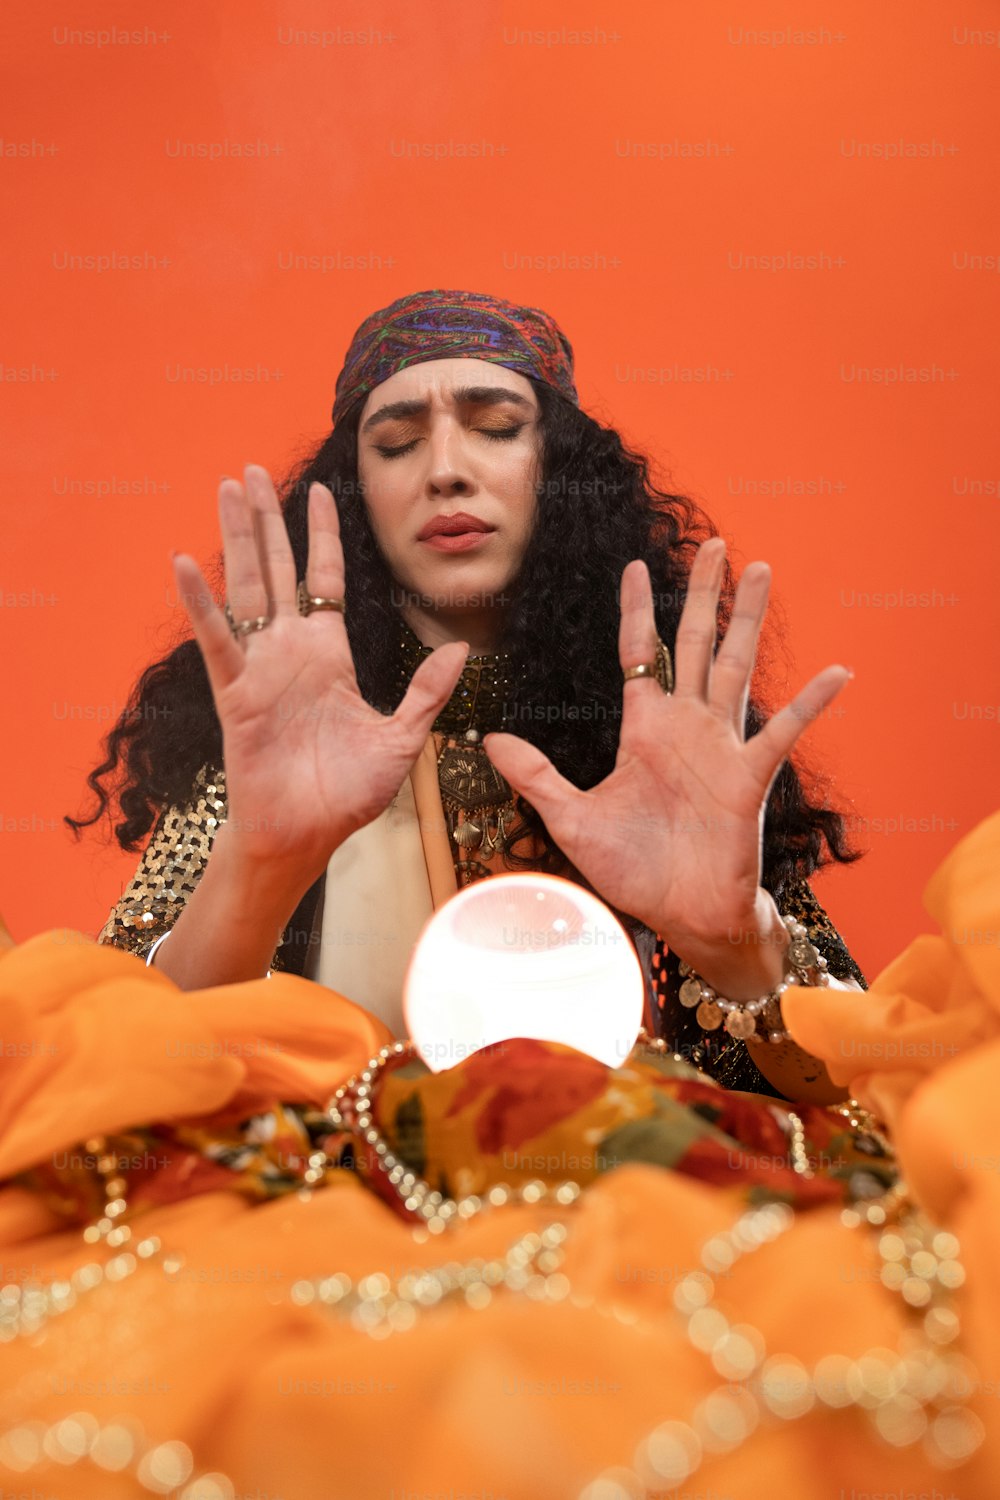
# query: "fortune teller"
{"points": [[472, 637]]}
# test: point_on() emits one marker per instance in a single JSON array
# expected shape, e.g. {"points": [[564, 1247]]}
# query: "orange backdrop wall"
{"points": [[769, 230]]}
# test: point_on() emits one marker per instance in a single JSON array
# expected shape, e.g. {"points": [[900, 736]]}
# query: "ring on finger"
{"points": [[309, 603], [245, 627], [661, 668]]}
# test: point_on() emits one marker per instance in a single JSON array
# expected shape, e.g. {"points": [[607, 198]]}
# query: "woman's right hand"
{"points": [[308, 761]]}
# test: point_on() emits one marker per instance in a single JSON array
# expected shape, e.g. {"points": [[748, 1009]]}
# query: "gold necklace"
{"points": [[479, 804]]}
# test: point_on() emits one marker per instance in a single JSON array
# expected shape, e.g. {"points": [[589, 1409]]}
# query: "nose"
{"points": [[447, 468]]}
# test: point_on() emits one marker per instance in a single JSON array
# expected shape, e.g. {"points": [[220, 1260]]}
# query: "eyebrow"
{"points": [[480, 395]]}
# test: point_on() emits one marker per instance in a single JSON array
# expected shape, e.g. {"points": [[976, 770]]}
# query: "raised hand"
{"points": [[308, 761], [674, 834]]}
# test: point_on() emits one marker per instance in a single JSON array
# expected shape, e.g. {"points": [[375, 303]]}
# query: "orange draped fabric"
{"points": [[524, 1398]]}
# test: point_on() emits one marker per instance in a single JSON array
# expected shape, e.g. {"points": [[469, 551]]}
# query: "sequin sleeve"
{"points": [[723, 1057], [173, 863]]}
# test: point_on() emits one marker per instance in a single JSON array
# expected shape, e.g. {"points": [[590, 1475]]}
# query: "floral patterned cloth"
{"points": [[526, 1110], [521, 1111]]}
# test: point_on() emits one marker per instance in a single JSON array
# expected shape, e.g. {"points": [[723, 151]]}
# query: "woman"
{"points": [[496, 1329], [278, 843]]}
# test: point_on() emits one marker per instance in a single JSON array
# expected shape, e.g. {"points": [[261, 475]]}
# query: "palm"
{"points": [[308, 761], [673, 835]]}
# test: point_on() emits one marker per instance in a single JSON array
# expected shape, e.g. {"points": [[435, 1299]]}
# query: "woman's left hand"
{"points": [[674, 834]]}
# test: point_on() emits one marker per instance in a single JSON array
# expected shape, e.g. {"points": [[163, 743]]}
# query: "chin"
{"points": [[458, 588]]}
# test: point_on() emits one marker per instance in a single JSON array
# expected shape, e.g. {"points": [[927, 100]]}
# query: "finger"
{"points": [[531, 773], [431, 685], [276, 560], [325, 567], [223, 656], [245, 589], [637, 637], [765, 751], [732, 669], [698, 626], [325, 572]]}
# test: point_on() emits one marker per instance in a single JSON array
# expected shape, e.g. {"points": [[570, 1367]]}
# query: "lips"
{"points": [[453, 525]]}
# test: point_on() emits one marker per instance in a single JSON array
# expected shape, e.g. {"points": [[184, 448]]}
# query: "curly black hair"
{"points": [[598, 508]]}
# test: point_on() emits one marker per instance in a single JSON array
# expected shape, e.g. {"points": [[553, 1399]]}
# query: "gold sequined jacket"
{"points": [[178, 851]]}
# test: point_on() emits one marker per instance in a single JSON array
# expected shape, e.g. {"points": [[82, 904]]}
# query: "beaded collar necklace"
{"points": [[479, 697]]}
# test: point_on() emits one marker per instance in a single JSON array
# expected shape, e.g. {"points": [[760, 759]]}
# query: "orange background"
{"points": [[444, 147]]}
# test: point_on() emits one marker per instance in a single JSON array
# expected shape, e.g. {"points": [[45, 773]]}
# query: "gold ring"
{"points": [[662, 669], [308, 603], [245, 627]]}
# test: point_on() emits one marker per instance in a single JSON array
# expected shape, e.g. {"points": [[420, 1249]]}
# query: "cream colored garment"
{"points": [[382, 886]]}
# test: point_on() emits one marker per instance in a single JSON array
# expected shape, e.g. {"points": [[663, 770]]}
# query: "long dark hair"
{"points": [[598, 508]]}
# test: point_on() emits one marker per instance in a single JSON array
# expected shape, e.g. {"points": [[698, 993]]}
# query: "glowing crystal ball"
{"points": [[523, 956]]}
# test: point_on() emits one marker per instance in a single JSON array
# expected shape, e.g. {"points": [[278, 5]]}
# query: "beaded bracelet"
{"points": [[756, 1020]]}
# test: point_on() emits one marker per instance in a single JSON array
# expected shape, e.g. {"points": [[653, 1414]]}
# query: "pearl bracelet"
{"points": [[756, 1020]]}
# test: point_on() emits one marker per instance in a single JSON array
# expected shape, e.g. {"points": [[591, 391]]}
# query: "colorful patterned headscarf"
{"points": [[454, 325]]}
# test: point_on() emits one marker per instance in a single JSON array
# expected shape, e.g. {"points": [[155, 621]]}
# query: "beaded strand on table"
{"points": [[121, 1444], [351, 1106], [911, 1395]]}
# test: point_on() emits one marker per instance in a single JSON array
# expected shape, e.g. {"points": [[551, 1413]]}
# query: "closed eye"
{"points": [[496, 434]]}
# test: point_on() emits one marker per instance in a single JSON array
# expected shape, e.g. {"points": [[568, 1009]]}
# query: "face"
{"points": [[437, 439]]}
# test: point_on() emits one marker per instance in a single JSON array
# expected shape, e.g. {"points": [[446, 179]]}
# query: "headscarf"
{"points": [[454, 325]]}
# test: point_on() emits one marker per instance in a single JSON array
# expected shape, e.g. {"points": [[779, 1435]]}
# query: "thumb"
{"points": [[529, 771], [431, 685]]}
